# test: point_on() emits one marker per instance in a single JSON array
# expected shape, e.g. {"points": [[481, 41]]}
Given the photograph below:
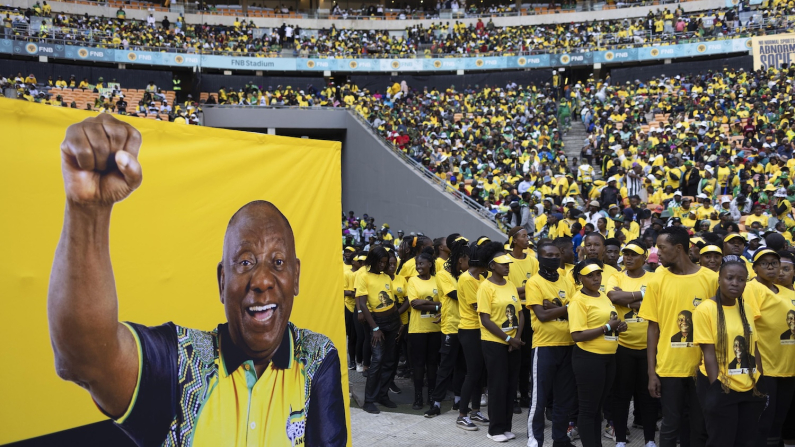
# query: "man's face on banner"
{"points": [[258, 278]]}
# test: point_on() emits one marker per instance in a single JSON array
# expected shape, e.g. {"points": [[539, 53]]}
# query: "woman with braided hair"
{"points": [[452, 368], [727, 385], [410, 247]]}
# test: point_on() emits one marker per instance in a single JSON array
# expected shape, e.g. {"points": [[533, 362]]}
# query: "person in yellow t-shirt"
{"points": [[548, 295], [424, 328], [450, 352], [501, 325], [626, 289], [775, 331], [351, 322], [524, 267], [595, 327], [672, 295], [469, 337], [756, 216], [726, 381], [374, 296], [400, 290], [594, 248]]}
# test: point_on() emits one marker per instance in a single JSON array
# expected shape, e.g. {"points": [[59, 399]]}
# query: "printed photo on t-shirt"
{"points": [[788, 337], [511, 320], [683, 338], [632, 317], [743, 360], [613, 334], [385, 300]]}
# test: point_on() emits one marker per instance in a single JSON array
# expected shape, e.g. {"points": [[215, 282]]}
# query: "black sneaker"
{"points": [[456, 405], [433, 411], [524, 402], [566, 443], [394, 388], [387, 402], [477, 416], [351, 367], [464, 423], [517, 409], [371, 408]]}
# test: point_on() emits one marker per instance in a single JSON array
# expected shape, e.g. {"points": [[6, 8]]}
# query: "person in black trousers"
{"points": [[375, 300], [595, 327], [501, 324]]}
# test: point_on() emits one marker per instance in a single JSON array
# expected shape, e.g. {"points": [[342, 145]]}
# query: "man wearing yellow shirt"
{"points": [[671, 296], [548, 295]]}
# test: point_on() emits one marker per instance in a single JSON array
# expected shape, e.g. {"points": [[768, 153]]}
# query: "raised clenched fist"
{"points": [[99, 160]]}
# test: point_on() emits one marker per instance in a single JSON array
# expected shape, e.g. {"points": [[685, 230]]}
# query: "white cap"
{"points": [[678, 193]]}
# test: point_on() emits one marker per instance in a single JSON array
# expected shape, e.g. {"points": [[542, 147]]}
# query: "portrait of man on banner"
{"points": [[256, 379]]}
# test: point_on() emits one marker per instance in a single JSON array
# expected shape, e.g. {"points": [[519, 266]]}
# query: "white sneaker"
{"points": [[484, 400], [621, 444], [651, 444], [509, 435], [359, 368], [498, 438]]}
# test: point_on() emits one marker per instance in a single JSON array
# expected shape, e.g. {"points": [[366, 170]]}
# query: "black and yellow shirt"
{"points": [[590, 312], [198, 388], [450, 315], [635, 335], [423, 321], [377, 288], [739, 353], [501, 302], [522, 270], [775, 327], [670, 301], [468, 301], [556, 332]]}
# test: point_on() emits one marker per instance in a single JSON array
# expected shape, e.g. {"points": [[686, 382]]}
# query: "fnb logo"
{"points": [[577, 58], [96, 53]]}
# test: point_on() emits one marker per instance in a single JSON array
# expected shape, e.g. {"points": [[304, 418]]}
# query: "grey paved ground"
{"points": [[404, 427]]}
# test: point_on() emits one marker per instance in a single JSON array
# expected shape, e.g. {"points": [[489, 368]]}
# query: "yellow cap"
{"points": [[635, 248], [504, 259], [590, 268], [710, 249], [731, 236], [765, 251]]}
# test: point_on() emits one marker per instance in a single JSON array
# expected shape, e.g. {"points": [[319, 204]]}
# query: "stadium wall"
{"points": [[443, 82], [612, 14], [374, 179], [646, 72]]}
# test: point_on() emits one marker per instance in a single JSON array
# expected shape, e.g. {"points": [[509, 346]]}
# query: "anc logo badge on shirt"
{"points": [[435, 292], [386, 286], [400, 290], [602, 288], [513, 298], [696, 301], [562, 294], [296, 426]]}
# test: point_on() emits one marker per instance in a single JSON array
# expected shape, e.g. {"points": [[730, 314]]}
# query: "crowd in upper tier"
{"points": [[664, 26]]}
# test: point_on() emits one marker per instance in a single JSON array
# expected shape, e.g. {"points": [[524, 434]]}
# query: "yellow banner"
{"points": [[166, 242], [772, 51]]}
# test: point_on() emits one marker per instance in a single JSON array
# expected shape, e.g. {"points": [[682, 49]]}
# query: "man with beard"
{"points": [[671, 292]]}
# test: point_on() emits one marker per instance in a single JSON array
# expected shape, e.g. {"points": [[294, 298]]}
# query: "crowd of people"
{"points": [[661, 27], [699, 331], [107, 97]]}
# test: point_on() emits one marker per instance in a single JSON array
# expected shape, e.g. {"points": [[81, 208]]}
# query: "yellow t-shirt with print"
{"points": [[468, 301], [635, 335], [377, 288], [400, 290], [450, 315], [739, 360], [670, 301], [775, 327], [423, 321], [501, 302], [349, 281], [555, 332], [522, 270], [590, 312]]}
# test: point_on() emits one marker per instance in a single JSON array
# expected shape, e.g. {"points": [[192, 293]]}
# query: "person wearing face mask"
{"points": [[771, 301], [424, 329], [595, 327], [524, 267], [500, 332], [672, 294], [548, 295], [626, 290]]}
